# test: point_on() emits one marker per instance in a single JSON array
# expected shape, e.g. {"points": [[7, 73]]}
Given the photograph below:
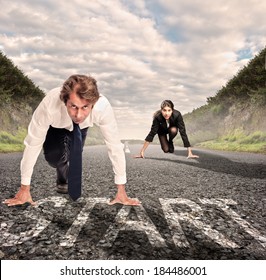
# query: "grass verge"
{"points": [[12, 143], [238, 141]]}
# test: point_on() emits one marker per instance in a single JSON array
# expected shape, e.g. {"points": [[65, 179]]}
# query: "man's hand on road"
{"points": [[23, 196], [122, 198], [128, 201]]}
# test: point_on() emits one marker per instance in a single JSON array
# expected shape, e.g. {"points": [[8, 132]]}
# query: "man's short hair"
{"points": [[84, 86]]}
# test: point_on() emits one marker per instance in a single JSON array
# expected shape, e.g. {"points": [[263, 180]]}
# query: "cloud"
{"points": [[140, 52]]}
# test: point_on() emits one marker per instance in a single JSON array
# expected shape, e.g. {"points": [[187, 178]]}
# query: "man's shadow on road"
{"points": [[218, 163]]}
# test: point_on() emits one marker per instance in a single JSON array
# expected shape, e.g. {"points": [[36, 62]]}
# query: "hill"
{"points": [[234, 119], [19, 97]]}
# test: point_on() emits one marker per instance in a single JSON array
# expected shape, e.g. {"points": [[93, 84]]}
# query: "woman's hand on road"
{"points": [[141, 155]]}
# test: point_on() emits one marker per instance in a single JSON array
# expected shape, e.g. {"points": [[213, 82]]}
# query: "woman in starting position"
{"points": [[167, 122]]}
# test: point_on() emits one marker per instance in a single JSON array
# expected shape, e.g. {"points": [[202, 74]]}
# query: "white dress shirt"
{"points": [[52, 111]]}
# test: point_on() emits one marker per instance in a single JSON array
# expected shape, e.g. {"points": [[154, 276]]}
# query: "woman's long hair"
{"points": [[165, 103]]}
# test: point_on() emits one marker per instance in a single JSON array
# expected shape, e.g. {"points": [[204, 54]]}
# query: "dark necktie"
{"points": [[75, 164]]}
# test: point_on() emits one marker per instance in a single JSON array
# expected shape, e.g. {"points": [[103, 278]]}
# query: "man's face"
{"points": [[167, 112], [78, 109]]}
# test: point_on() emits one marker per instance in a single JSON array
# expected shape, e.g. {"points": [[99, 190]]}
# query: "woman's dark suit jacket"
{"points": [[159, 126]]}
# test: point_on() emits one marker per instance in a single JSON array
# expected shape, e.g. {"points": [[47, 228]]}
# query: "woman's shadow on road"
{"points": [[213, 161]]}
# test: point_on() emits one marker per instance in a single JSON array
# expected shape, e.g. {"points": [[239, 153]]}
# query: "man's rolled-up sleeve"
{"points": [[34, 140], [109, 129]]}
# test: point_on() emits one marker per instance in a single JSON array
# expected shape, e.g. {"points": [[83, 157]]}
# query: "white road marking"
{"points": [[224, 205], [193, 217], [83, 217], [144, 223]]}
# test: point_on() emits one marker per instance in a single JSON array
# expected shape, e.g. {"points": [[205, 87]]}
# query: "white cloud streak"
{"points": [[141, 52]]}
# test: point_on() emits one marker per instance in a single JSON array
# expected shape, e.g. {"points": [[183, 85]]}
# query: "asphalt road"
{"points": [[213, 207]]}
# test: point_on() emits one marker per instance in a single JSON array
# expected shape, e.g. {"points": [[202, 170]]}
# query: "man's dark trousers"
{"points": [[57, 149]]}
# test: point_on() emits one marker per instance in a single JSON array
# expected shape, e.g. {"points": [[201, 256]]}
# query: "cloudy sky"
{"points": [[141, 52]]}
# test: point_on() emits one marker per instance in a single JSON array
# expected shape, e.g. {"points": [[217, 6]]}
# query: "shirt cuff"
{"points": [[25, 181], [120, 180]]}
